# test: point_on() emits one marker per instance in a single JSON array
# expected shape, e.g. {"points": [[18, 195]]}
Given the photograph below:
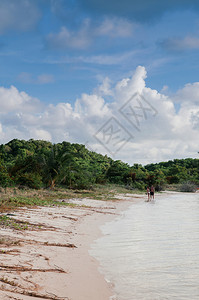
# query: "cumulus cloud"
{"points": [[40, 134], [146, 122], [18, 15], [104, 89], [91, 106], [11, 100], [188, 94]]}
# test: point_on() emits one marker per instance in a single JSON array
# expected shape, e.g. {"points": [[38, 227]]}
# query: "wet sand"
{"points": [[51, 259]]}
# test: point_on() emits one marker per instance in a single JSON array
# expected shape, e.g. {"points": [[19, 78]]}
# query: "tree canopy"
{"points": [[38, 163]]}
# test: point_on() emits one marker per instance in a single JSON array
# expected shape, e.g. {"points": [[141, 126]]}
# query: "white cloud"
{"points": [[102, 59], [40, 134], [115, 27], [13, 100], [114, 59], [104, 89], [70, 39], [88, 32], [25, 77], [163, 133], [188, 94], [45, 78], [181, 44], [92, 106], [40, 79], [128, 86]]}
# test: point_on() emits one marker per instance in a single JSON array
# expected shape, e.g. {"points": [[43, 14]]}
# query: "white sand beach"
{"points": [[51, 260]]}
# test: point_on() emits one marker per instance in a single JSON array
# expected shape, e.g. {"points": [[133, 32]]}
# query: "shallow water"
{"points": [[151, 252]]}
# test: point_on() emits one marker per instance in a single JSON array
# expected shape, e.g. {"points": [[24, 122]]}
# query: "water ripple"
{"points": [[151, 252]]}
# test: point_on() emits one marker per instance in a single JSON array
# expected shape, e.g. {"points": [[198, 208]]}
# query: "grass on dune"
{"points": [[12, 198]]}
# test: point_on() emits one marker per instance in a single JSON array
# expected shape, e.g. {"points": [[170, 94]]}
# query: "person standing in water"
{"points": [[152, 192], [148, 194]]}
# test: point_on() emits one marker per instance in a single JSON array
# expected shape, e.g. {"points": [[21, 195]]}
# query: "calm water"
{"points": [[151, 251]]}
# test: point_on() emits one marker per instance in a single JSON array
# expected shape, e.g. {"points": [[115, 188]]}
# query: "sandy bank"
{"points": [[51, 260]]}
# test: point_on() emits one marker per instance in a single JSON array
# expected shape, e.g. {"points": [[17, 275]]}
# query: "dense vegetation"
{"points": [[37, 164]]}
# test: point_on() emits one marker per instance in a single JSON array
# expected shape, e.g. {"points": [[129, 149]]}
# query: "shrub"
{"points": [[159, 187], [188, 187], [30, 180], [138, 185]]}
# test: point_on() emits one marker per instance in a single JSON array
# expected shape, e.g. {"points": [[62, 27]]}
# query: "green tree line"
{"points": [[38, 163]]}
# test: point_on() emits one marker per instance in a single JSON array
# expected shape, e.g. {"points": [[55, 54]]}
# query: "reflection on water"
{"points": [[151, 251]]}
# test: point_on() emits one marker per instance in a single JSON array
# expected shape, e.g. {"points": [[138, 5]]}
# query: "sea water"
{"points": [[151, 251]]}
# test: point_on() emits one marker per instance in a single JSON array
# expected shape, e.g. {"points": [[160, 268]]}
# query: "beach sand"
{"points": [[51, 259]]}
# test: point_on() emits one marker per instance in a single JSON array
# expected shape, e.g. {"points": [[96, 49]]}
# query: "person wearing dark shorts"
{"points": [[152, 192]]}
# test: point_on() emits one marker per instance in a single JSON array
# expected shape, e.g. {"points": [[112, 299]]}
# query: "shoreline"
{"points": [[52, 260]]}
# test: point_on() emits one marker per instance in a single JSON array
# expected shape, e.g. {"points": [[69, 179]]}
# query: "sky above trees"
{"points": [[121, 77]]}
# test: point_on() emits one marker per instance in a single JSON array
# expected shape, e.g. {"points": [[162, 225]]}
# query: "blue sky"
{"points": [[55, 53]]}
